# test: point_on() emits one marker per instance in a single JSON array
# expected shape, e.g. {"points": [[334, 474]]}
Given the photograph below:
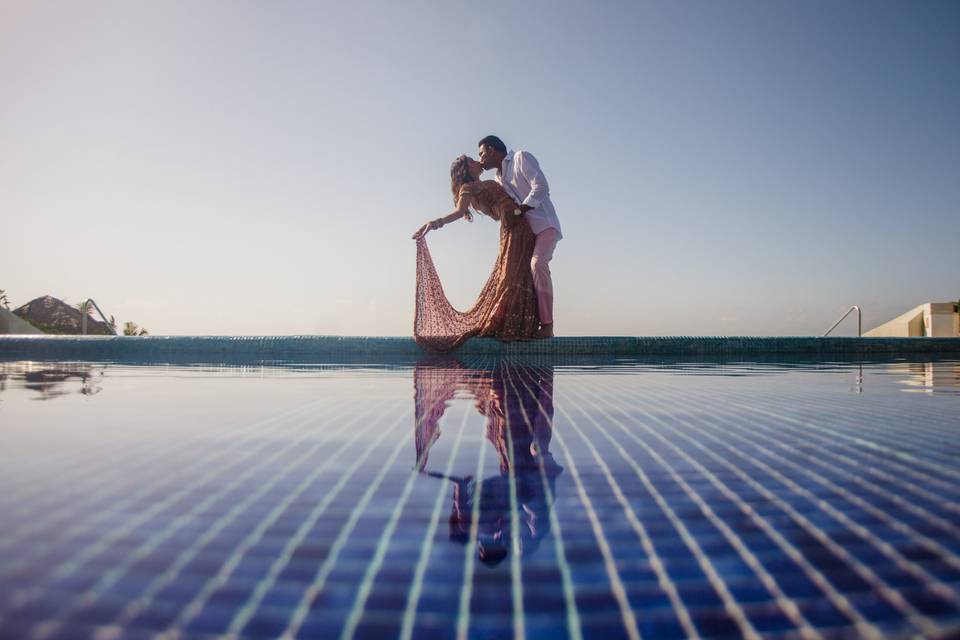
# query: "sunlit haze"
{"points": [[732, 168]]}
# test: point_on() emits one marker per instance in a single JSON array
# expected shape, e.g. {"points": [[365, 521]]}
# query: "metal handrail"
{"points": [[83, 317], [859, 321]]}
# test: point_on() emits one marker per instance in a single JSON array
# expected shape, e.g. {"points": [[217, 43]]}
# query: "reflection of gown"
{"points": [[518, 404], [506, 308]]}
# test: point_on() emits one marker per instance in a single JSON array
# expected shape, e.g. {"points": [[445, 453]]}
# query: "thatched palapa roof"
{"points": [[52, 315]]}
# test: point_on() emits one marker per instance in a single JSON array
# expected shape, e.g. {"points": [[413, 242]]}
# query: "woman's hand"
{"points": [[422, 231], [430, 226]]}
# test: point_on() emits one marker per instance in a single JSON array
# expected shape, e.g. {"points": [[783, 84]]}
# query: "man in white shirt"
{"points": [[518, 172]]}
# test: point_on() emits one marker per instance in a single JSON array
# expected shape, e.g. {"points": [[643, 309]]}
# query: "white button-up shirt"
{"points": [[521, 177]]}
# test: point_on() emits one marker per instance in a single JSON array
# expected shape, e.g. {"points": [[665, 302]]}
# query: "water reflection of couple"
{"points": [[518, 405], [516, 303]]}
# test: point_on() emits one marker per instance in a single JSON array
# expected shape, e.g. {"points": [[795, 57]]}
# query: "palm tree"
{"points": [[4, 301], [131, 329]]}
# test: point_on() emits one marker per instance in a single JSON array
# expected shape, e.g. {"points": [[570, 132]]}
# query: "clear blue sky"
{"points": [[720, 168]]}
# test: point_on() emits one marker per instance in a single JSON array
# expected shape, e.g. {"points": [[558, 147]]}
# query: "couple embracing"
{"points": [[516, 303]]}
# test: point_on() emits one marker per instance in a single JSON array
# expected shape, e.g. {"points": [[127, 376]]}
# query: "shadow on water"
{"points": [[517, 403]]}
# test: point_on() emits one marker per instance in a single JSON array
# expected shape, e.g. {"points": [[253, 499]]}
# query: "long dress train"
{"points": [[506, 308]]}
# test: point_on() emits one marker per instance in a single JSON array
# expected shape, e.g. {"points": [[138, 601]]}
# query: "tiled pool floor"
{"points": [[480, 499]]}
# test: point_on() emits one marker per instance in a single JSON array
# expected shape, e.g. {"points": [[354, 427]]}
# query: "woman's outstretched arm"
{"points": [[462, 210]]}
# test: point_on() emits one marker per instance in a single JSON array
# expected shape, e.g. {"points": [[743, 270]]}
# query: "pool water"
{"points": [[480, 498]]}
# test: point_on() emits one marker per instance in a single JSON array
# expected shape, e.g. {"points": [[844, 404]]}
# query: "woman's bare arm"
{"points": [[462, 210]]}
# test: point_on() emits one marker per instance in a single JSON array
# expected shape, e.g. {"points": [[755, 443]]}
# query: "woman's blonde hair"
{"points": [[459, 175]]}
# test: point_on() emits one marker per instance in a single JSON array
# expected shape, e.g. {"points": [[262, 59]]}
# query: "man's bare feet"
{"points": [[545, 331]]}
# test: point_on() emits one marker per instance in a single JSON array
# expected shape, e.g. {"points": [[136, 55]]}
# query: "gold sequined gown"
{"points": [[506, 308]]}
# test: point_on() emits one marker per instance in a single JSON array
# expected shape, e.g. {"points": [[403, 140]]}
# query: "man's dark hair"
{"points": [[494, 143]]}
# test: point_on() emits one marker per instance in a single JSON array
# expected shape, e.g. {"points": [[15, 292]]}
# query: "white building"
{"points": [[932, 319]]}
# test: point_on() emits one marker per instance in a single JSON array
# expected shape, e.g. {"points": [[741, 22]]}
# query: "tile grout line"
{"points": [[191, 609], [469, 562], [837, 599], [573, 616], [904, 504], [516, 577], [809, 428], [918, 536], [115, 573], [805, 629], [127, 499], [616, 585], [316, 587], [93, 549], [856, 527], [243, 615], [873, 446], [730, 604], [413, 597], [906, 485]]}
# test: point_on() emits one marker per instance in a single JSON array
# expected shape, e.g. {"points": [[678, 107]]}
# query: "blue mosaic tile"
{"points": [[553, 495]]}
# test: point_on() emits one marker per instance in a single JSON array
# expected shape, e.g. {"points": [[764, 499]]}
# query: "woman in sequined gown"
{"points": [[506, 308]]}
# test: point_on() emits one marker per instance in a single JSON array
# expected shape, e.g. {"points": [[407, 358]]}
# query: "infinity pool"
{"points": [[480, 498]]}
